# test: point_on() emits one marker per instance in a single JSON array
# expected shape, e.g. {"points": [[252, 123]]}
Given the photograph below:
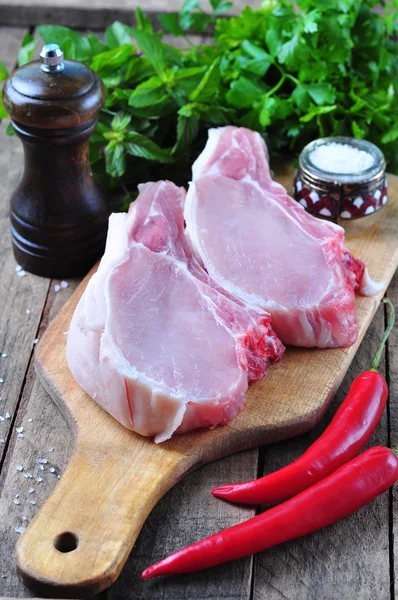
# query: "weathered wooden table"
{"points": [[352, 559]]}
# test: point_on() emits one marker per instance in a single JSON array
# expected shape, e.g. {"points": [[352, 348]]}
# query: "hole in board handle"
{"points": [[66, 542]]}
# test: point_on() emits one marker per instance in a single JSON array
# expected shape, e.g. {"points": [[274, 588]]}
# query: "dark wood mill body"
{"points": [[59, 214]]}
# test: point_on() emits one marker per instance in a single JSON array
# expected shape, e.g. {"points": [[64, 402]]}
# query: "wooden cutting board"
{"points": [[79, 541]]}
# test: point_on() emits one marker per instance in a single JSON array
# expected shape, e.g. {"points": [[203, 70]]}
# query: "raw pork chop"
{"points": [[259, 244], [152, 340]]}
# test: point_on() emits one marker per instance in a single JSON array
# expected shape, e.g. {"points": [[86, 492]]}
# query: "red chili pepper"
{"points": [[343, 492], [350, 429]]}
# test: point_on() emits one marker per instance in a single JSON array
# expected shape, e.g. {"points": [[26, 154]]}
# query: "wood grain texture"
{"points": [[392, 379], [108, 459], [44, 429], [349, 559], [98, 15], [18, 328]]}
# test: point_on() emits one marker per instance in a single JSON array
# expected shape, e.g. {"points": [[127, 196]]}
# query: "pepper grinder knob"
{"points": [[59, 214], [52, 59]]}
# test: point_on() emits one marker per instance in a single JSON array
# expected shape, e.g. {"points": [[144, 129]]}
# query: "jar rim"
{"points": [[367, 175]]}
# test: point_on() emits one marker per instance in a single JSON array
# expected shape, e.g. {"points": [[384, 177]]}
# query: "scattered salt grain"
{"points": [[1, 380], [1, 418], [1, 441], [28, 475], [41, 468], [19, 468], [16, 495], [35, 341], [16, 501], [19, 435], [341, 158], [51, 449], [19, 429], [25, 518], [21, 273], [4, 355], [30, 420], [19, 529], [39, 479], [58, 476], [18, 268], [57, 288], [42, 461], [27, 311], [31, 490], [52, 470], [7, 415], [64, 284], [33, 502]]}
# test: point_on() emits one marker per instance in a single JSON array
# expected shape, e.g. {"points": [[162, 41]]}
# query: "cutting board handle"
{"points": [[78, 543]]}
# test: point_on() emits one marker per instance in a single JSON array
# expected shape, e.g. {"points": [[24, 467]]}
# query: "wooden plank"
{"points": [[392, 355], [21, 298], [349, 559], [188, 513], [98, 15], [44, 429]]}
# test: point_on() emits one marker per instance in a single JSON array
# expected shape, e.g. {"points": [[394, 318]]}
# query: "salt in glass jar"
{"points": [[341, 177]]}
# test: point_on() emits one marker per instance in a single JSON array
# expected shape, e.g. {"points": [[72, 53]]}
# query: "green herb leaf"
{"points": [[28, 46], [117, 35], [171, 23], [152, 47], [321, 93], [3, 112], [187, 132], [391, 135], [317, 110], [244, 93], [3, 72], [209, 85], [142, 146], [109, 61], [115, 159], [143, 23], [10, 130]]}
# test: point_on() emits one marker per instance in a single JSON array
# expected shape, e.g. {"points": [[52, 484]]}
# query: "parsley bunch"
{"points": [[293, 71]]}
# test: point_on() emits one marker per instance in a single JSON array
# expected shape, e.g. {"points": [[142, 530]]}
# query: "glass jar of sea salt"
{"points": [[341, 177]]}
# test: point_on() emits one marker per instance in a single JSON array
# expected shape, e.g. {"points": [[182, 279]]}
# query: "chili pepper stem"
{"points": [[391, 321]]}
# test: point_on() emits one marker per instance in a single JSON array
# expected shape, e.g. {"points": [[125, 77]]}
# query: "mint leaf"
{"points": [[171, 23], [25, 53], [96, 45], [3, 72], [243, 93], [117, 35], [187, 132], [143, 23], [147, 93], [109, 61], [152, 47], [209, 85], [120, 122], [142, 146], [114, 159]]}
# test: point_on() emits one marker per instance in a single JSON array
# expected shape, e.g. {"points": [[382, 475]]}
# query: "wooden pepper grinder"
{"points": [[59, 215]]}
